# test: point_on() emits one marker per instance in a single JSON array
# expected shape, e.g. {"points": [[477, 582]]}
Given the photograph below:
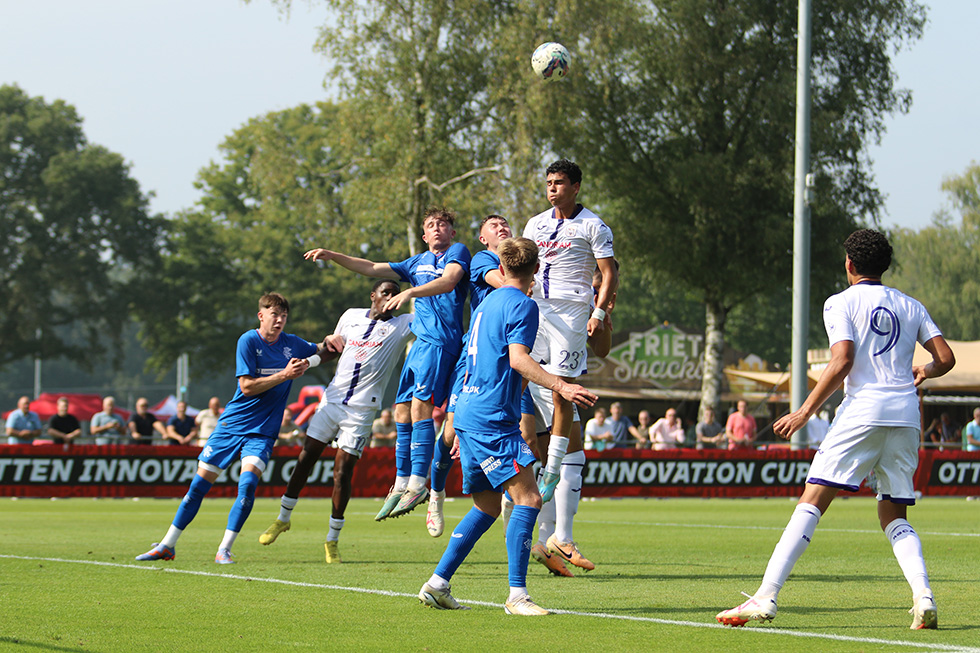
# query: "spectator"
{"points": [[643, 424], [931, 433], [290, 434], [63, 427], [946, 432], [207, 420], [667, 432], [624, 433], [23, 424], [709, 431], [971, 435], [143, 423], [816, 429], [597, 433], [181, 428], [107, 427], [383, 431], [740, 428]]}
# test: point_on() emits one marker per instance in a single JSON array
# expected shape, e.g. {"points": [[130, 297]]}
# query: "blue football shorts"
{"points": [[490, 460], [426, 375]]}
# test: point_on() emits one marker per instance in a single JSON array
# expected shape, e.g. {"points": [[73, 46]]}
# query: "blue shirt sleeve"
{"points": [[482, 262], [522, 327], [245, 364], [301, 348], [404, 269], [458, 253]]}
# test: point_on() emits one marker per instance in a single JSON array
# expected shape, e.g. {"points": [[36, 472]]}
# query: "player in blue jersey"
{"points": [[873, 331], [371, 340], [266, 362], [493, 455], [438, 283], [485, 275]]}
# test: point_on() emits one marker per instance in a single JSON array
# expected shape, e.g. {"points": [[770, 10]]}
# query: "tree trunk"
{"points": [[714, 344]]}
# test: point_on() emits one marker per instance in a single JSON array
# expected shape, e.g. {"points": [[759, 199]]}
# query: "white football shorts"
{"points": [[563, 331], [848, 455], [350, 426], [544, 408]]}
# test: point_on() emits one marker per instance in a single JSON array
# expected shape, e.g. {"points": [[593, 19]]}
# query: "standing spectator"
{"points": [[709, 431], [597, 433], [107, 427], [289, 432], [624, 433], [971, 435], [740, 428], [181, 428], [816, 429], [143, 423], [63, 427], [383, 430], [667, 432], [23, 424], [643, 424], [207, 421]]}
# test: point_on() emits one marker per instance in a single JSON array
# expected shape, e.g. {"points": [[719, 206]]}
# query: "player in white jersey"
{"points": [[873, 330], [372, 340], [572, 241]]}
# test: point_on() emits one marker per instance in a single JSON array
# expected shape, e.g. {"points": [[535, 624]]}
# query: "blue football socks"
{"points": [[465, 535], [403, 449], [519, 539], [247, 483], [423, 444], [442, 462], [188, 508]]}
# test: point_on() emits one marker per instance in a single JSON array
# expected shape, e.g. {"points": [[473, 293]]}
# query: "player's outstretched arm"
{"points": [[352, 263], [841, 360], [446, 283], [521, 362], [942, 360]]}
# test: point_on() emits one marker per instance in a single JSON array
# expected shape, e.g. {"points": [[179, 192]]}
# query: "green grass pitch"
{"points": [[664, 568]]}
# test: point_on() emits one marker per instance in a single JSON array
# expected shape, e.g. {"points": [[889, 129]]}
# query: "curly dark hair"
{"points": [[567, 168], [869, 251]]}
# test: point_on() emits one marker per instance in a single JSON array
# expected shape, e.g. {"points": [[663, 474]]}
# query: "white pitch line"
{"points": [[597, 615]]}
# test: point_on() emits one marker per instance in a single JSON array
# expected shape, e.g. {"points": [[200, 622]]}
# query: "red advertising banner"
{"points": [[143, 471]]}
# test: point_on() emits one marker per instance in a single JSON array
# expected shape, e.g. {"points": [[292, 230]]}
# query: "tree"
{"points": [[940, 266], [77, 245], [685, 111]]}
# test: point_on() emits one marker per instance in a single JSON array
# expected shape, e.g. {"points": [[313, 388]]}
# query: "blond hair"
{"points": [[519, 256]]}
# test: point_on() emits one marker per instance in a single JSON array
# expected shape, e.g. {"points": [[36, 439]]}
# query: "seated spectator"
{"points": [[667, 432], [207, 421], [597, 433], [740, 429], [971, 434], [643, 424], [383, 433], [709, 431], [143, 423], [624, 433], [290, 434], [63, 427], [181, 428], [107, 427], [23, 424], [946, 432]]}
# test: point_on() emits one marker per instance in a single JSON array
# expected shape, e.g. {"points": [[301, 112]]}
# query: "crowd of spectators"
{"points": [[607, 429]]}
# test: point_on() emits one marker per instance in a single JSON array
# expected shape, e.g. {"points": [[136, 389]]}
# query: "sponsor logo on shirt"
{"points": [[268, 371]]}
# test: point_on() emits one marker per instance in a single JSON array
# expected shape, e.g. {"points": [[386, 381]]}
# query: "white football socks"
{"points": [[401, 483], [556, 452], [228, 540], [567, 495], [908, 551], [286, 506], [796, 537], [334, 533], [170, 539], [546, 522]]}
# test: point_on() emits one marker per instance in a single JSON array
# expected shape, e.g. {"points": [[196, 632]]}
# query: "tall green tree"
{"points": [[685, 112], [77, 243], [940, 265]]}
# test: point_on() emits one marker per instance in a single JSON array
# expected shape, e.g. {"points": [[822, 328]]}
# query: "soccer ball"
{"points": [[550, 61]]}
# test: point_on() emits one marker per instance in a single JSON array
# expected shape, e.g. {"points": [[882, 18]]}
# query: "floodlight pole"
{"points": [[801, 222]]}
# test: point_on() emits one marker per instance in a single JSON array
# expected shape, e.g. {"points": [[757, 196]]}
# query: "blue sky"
{"points": [[163, 82]]}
